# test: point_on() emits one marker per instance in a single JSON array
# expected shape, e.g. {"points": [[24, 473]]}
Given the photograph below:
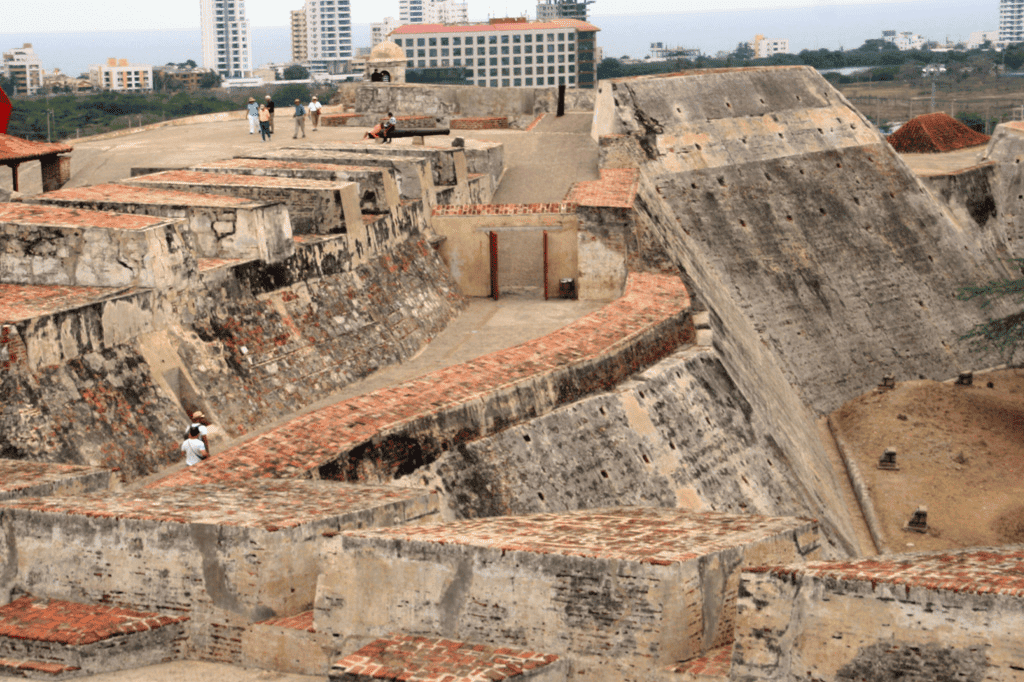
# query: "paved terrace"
{"points": [[307, 442], [269, 505], [998, 570], [26, 301], [640, 534]]}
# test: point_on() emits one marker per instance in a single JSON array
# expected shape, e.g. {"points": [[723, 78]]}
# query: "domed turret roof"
{"points": [[387, 51]]}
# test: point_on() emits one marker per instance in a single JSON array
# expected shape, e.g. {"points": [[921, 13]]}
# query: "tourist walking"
{"points": [[264, 123], [193, 448], [269, 104], [314, 112], [199, 422], [254, 115], [300, 119]]}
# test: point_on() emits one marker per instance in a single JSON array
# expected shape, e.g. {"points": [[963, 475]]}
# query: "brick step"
{"points": [[714, 666], [421, 659], [288, 644], [49, 638]]}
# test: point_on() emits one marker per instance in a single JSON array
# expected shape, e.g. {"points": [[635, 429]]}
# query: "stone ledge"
{"points": [[72, 623]]}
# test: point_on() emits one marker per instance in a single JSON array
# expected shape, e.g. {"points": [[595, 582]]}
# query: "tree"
{"points": [[609, 67], [286, 94], [1004, 334], [743, 51], [295, 72], [209, 80]]}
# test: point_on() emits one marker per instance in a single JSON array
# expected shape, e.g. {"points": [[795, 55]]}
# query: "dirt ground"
{"points": [[960, 451]]}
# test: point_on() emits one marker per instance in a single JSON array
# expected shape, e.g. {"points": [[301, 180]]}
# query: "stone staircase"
{"points": [[52, 639]]}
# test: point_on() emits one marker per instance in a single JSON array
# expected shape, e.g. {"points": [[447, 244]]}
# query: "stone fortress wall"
{"points": [[813, 260]]}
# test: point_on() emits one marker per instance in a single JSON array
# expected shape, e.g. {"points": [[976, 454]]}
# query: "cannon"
{"points": [[418, 132]]}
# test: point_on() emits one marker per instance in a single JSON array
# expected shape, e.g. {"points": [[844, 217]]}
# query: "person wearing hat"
{"points": [[254, 115], [300, 119], [192, 447], [269, 104], [198, 423], [314, 112]]}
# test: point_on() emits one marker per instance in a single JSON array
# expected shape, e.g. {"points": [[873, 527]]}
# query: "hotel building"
{"points": [[506, 54], [120, 76], [24, 68]]}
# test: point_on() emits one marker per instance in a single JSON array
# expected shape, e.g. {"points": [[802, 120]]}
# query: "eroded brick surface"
{"points": [[422, 659], [616, 189], [65, 622], [269, 505], [22, 478], [125, 194], [73, 217], [715, 663], [644, 535], [301, 621], [998, 570], [25, 301]]}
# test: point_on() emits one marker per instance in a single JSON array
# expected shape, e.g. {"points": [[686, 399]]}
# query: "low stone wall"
{"points": [[392, 432], [36, 479], [269, 341], [217, 226], [314, 206], [942, 616], [60, 246], [619, 593], [226, 556], [481, 123]]}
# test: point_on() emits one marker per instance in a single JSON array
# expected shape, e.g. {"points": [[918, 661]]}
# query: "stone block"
{"points": [[226, 556], [52, 245], [412, 173], [378, 190], [927, 616], [220, 226], [288, 644], [619, 592], [314, 206]]}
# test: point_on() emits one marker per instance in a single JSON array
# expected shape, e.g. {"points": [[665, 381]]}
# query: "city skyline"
{"points": [[55, 16]]}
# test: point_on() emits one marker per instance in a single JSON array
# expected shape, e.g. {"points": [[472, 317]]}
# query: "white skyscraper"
{"points": [[227, 43], [411, 11], [329, 33], [1011, 21]]}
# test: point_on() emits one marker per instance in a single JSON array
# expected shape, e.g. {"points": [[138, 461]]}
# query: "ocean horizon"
{"points": [[830, 27]]}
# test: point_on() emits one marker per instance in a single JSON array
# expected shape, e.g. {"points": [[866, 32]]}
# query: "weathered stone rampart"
{"points": [[679, 434], [941, 616], [390, 432]]}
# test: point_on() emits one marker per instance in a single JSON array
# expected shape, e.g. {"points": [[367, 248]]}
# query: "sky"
{"points": [[17, 16]]}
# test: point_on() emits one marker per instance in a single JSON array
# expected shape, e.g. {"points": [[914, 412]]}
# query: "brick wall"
{"points": [[482, 123]]}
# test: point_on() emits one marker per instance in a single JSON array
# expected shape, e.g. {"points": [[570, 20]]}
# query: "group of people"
{"points": [[262, 116]]}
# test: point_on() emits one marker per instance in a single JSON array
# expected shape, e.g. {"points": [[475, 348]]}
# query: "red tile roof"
{"points": [[415, 29], [934, 133], [16, 149]]}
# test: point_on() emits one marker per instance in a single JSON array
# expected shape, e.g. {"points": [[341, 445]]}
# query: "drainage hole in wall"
{"points": [[823, 211], [767, 177], [743, 223], [728, 106], [780, 136], [696, 145], [721, 181], [602, 411], [802, 172], [541, 496], [856, 201], [820, 131], [693, 185], [789, 218], [671, 445], [641, 394], [762, 101], [526, 437], [770, 463], [745, 480], [839, 165], [892, 195], [646, 459], [604, 473]]}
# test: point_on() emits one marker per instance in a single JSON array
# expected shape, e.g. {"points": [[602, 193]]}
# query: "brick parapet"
{"points": [[72, 623], [562, 208], [442, 408], [916, 577], [479, 123]]}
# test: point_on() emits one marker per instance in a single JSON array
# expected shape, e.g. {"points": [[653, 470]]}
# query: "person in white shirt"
{"points": [[199, 420], [314, 112], [195, 451]]}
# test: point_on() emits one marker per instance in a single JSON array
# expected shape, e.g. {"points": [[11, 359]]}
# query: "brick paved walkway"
{"points": [[422, 659], [312, 440]]}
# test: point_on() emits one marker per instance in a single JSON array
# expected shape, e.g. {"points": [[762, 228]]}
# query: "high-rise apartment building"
{"points": [[411, 11], [506, 54], [24, 68], [562, 9], [299, 51], [328, 34], [227, 42], [379, 31], [1011, 21]]}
